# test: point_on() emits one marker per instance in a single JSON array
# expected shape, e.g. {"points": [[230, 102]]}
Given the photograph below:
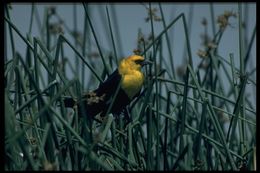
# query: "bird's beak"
{"points": [[146, 62]]}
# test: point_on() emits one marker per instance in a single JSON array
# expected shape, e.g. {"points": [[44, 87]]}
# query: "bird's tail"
{"points": [[69, 102]]}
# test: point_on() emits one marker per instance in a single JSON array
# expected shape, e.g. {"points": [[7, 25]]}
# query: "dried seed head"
{"points": [[92, 98], [212, 45], [152, 13], [137, 51], [47, 166], [203, 65], [204, 21], [181, 70], [202, 54], [222, 20], [56, 28], [51, 10]]}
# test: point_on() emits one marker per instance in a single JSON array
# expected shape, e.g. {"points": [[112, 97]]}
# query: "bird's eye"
{"points": [[139, 61]]}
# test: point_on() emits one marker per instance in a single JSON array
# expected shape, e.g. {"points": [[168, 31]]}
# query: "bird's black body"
{"points": [[128, 77], [100, 99]]}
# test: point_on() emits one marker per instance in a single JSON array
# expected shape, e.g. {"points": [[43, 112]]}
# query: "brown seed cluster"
{"points": [[202, 53], [92, 98], [152, 14], [47, 166], [56, 28], [222, 20]]}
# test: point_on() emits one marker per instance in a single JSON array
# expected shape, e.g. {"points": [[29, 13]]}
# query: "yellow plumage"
{"points": [[132, 76]]}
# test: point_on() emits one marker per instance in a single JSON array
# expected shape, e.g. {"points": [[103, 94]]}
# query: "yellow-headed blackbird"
{"points": [[130, 78]]}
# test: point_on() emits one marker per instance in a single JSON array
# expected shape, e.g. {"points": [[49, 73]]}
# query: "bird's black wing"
{"points": [[106, 88], [103, 95], [100, 99], [109, 86]]}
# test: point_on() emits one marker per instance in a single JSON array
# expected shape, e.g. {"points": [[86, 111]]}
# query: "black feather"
{"points": [[99, 100]]}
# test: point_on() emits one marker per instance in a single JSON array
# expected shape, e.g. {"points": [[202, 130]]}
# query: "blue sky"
{"points": [[131, 17]]}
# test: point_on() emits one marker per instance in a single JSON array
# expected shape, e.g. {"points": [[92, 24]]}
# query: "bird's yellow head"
{"points": [[133, 62], [132, 76]]}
